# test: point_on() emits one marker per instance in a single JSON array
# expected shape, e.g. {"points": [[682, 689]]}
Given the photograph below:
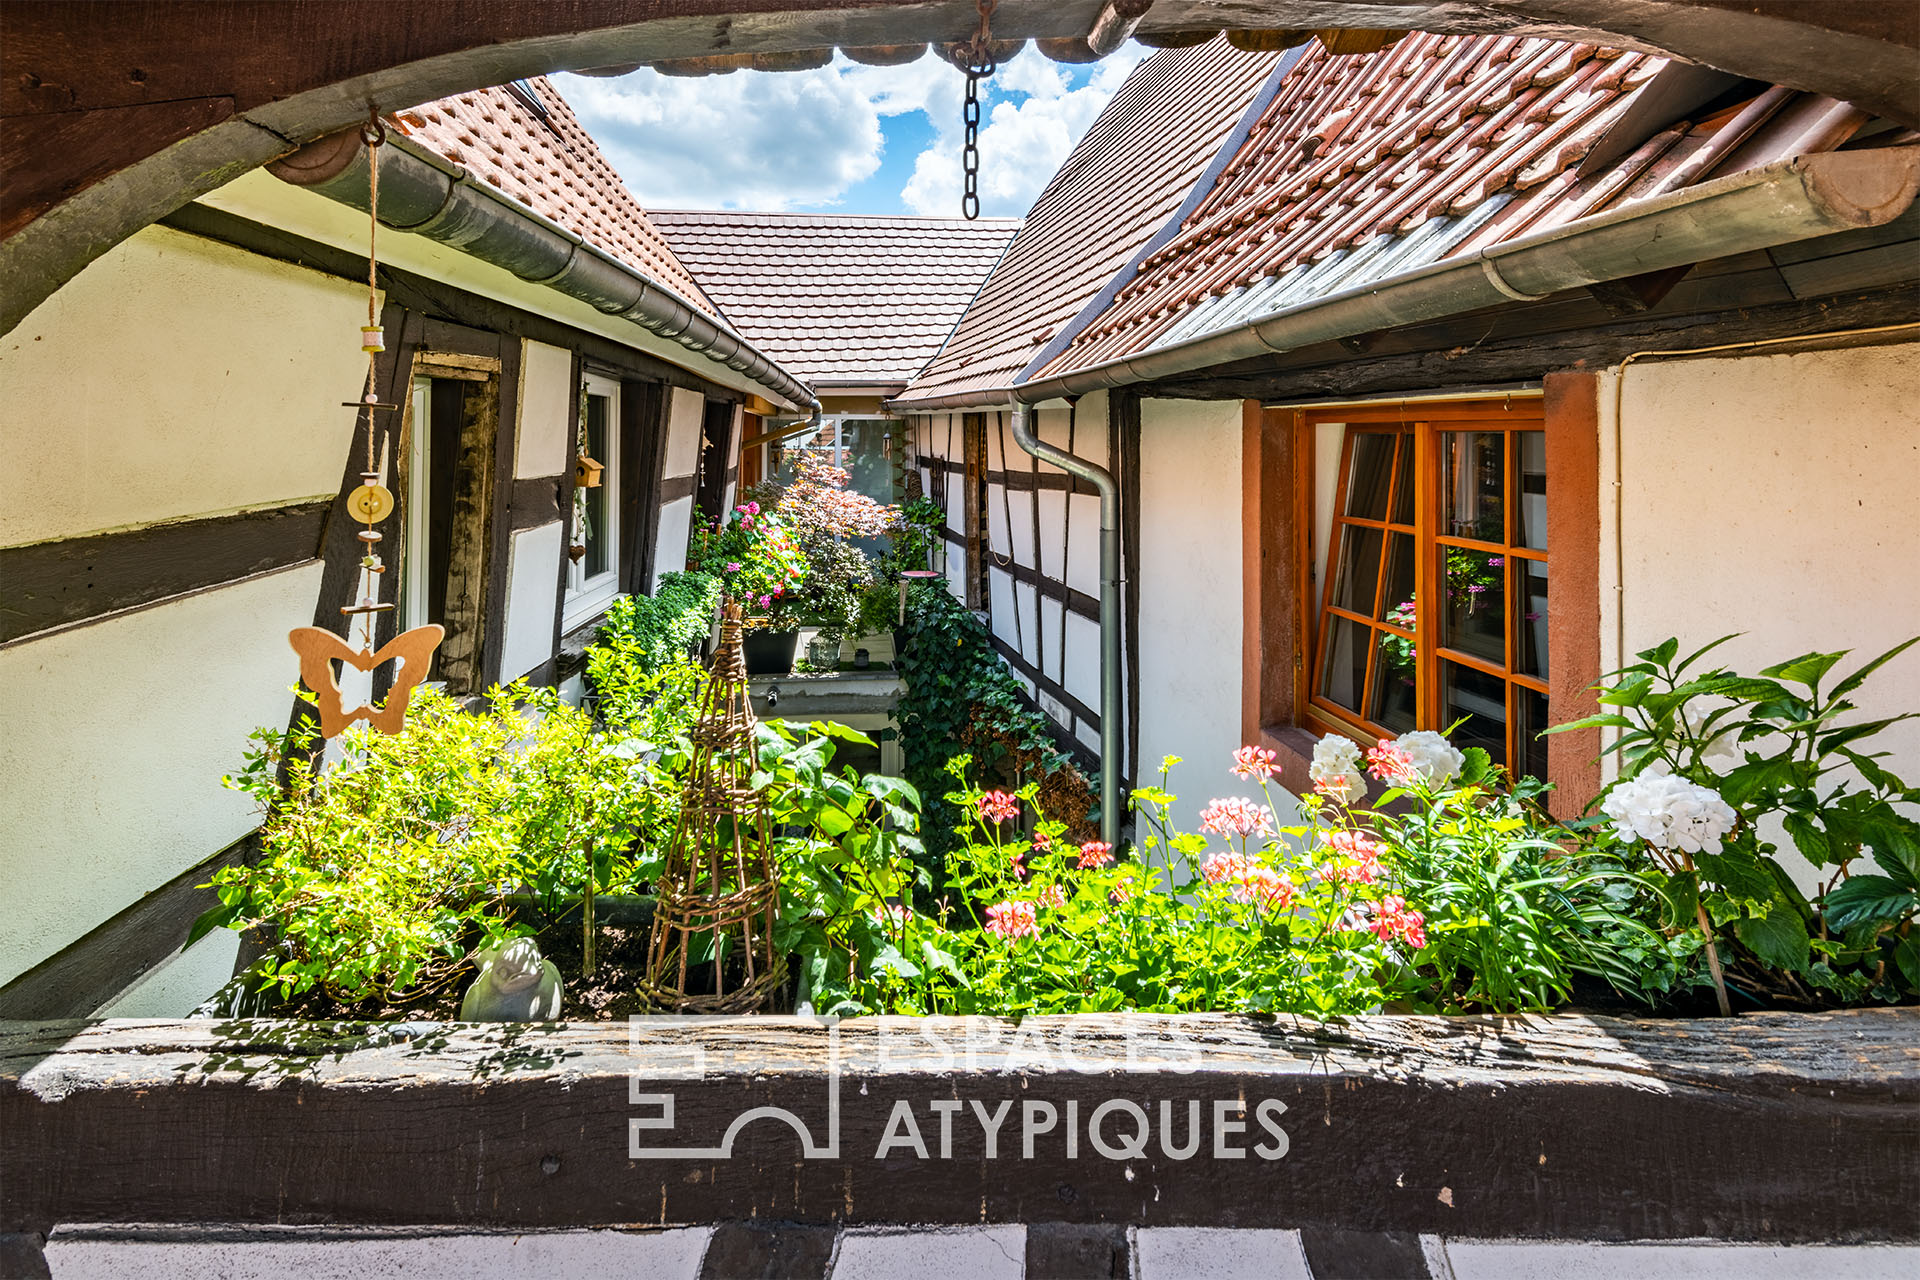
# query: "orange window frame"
{"points": [[1420, 428]]}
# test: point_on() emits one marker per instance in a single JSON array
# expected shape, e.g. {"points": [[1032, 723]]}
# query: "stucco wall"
{"points": [[546, 395], [1191, 596], [1772, 495], [113, 738], [533, 569], [176, 377]]}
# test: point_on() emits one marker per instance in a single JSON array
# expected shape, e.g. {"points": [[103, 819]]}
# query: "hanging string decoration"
{"points": [[712, 945], [369, 504]]}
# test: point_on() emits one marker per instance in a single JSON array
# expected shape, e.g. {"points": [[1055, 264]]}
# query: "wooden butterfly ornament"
{"points": [[318, 650]]}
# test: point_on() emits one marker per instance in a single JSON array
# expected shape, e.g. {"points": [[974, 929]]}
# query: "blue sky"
{"points": [[845, 138]]}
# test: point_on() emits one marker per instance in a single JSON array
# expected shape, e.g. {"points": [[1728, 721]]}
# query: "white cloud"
{"points": [[1021, 143], [759, 140]]}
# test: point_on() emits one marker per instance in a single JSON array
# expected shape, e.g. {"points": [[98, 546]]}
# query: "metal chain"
{"points": [[980, 65]]}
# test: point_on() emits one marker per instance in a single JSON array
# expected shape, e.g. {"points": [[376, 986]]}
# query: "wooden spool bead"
{"points": [[367, 535], [372, 338]]}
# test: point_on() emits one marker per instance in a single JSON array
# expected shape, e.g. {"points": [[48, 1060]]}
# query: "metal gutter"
{"points": [[428, 195], [1758, 208], [1110, 711]]}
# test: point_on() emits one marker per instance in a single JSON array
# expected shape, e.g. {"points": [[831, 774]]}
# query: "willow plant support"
{"points": [[719, 890]]}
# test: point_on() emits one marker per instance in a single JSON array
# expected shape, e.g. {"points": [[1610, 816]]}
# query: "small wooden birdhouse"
{"points": [[586, 472]]}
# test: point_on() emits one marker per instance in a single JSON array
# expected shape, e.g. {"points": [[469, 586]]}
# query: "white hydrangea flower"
{"points": [[1724, 751], [1432, 755], [1669, 812], [1335, 770]]}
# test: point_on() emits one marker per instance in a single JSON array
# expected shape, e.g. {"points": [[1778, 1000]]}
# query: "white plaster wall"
{"points": [[533, 582], [113, 739], [176, 377], [1191, 596], [684, 412], [546, 406], [1772, 495], [173, 987], [670, 548]]}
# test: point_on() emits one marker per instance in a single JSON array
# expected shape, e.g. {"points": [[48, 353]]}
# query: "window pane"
{"points": [[1530, 489], [1473, 488], [1530, 713], [1397, 605], [599, 551], [1530, 617], [1371, 476], [1344, 678], [1403, 508], [1474, 620], [1359, 569], [1483, 700], [1394, 705]]}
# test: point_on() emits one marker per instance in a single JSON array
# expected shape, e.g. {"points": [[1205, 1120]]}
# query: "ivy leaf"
{"points": [[1780, 940], [1869, 899]]}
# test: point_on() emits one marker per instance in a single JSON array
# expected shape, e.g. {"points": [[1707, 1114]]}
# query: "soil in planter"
{"points": [[611, 994]]}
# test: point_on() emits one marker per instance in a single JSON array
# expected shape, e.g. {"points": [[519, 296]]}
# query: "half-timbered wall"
{"points": [[1028, 536]]}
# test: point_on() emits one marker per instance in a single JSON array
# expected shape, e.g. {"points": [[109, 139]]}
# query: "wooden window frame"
{"points": [[587, 598], [1280, 623]]}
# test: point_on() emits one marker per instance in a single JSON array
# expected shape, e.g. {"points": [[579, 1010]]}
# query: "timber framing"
{"points": [[56, 585], [1778, 1128]]}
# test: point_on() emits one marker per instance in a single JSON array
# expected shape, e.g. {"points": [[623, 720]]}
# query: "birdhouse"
{"points": [[586, 472]]}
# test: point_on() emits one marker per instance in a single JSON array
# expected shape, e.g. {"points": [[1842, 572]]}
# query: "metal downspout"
{"points": [[1110, 712]]}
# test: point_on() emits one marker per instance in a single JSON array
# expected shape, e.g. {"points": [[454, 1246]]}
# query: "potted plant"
{"points": [[827, 521], [760, 564]]}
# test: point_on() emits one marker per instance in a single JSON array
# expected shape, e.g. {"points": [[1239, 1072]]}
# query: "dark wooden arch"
{"points": [[112, 116]]}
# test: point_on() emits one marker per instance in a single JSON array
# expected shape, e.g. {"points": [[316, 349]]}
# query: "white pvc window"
{"points": [[594, 578]]}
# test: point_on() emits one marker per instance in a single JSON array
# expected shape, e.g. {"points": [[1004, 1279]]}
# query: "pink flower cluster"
{"points": [[1250, 879], [1392, 918], [1012, 919], [1390, 764], [1359, 859], [1255, 762], [1095, 854], [1236, 816], [998, 806], [1053, 896]]}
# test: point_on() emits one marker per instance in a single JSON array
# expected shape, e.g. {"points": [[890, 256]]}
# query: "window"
{"points": [[1443, 503], [593, 576], [447, 451]]}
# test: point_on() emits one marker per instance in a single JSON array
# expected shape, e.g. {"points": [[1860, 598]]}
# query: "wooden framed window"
{"points": [[1442, 503], [594, 579]]}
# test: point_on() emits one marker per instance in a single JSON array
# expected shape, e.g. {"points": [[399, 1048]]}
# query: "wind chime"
{"points": [[712, 945], [369, 503]]}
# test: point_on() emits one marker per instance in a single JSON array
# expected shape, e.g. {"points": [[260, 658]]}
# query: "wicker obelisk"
{"points": [[712, 946]]}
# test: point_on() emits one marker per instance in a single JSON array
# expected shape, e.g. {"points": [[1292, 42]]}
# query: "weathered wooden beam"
{"points": [[1769, 1127]]}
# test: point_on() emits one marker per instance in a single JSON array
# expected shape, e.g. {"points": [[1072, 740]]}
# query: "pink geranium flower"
{"points": [[1236, 816], [1040, 840], [1227, 868], [1012, 919], [1392, 918], [1390, 764], [1095, 854], [1053, 896], [998, 806], [1254, 762]]}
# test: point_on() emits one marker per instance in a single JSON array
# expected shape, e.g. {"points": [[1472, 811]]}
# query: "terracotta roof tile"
{"points": [[839, 298], [1129, 174], [551, 164]]}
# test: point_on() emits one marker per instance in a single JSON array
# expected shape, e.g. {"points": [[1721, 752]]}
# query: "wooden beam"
{"points": [[1777, 1128], [75, 580]]}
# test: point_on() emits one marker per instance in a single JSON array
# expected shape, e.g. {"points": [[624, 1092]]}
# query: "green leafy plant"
{"points": [[378, 877], [1716, 769], [960, 696], [755, 554]]}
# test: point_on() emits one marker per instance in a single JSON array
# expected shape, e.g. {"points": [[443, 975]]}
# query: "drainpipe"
{"points": [[1101, 479]]}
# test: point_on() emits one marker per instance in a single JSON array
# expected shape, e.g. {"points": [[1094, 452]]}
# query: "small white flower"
{"points": [[1335, 770], [1432, 755], [1669, 812]]}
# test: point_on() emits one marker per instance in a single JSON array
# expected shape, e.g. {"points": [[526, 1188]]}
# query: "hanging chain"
{"points": [[979, 65]]}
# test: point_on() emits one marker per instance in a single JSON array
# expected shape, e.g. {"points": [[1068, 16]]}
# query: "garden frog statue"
{"points": [[515, 985]]}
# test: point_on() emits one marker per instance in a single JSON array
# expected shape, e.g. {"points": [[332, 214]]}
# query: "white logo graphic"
{"points": [[682, 1045]]}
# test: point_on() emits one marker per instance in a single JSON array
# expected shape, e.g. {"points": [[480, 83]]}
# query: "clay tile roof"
{"points": [[839, 298], [551, 164], [1364, 166], [1125, 179]]}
